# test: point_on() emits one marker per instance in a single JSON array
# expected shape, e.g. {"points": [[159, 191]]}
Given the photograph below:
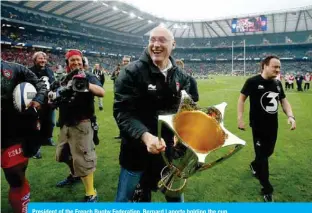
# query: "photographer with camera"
{"points": [[75, 100]]}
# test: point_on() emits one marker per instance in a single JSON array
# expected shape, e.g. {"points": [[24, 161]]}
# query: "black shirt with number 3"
{"points": [[264, 96]]}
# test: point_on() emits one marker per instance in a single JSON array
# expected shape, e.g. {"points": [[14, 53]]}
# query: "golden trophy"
{"points": [[198, 132]]}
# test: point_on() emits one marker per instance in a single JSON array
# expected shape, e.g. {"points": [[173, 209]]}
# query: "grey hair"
{"points": [[36, 54]]}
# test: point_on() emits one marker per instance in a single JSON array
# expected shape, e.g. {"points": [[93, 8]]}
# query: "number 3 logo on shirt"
{"points": [[269, 103]]}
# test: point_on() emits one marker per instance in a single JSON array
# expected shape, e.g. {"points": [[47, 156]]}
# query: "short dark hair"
{"points": [[267, 60]]}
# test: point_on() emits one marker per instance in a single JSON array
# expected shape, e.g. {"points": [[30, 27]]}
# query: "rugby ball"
{"points": [[23, 94]]}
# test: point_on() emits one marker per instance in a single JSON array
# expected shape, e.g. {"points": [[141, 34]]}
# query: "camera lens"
{"points": [[79, 85]]}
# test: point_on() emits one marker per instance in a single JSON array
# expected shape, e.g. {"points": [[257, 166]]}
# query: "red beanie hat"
{"points": [[70, 53]]}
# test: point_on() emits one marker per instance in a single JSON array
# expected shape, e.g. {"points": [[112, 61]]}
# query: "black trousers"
{"points": [[287, 86], [47, 123], [291, 86], [306, 86], [264, 143], [299, 86]]}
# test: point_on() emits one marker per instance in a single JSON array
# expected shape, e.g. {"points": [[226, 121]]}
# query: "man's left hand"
{"points": [[34, 104]]}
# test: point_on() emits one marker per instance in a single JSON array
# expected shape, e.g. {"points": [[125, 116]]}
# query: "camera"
{"points": [[80, 84], [66, 89], [61, 95]]}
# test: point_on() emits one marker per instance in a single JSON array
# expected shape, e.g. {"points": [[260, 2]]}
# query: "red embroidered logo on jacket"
{"points": [[7, 73]]}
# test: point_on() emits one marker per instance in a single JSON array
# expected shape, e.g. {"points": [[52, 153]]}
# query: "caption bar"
{"points": [[169, 207]]}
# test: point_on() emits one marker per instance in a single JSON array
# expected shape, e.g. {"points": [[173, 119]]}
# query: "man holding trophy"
{"points": [[152, 97], [147, 88]]}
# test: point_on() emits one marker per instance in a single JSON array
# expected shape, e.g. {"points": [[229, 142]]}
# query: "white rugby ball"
{"points": [[23, 95]]}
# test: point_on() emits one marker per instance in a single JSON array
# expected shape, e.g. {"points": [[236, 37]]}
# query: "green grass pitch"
{"points": [[231, 181]]}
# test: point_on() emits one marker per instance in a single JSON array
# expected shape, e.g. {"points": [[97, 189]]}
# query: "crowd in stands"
{"points": [[45, 39], [266, 39], [12, 34], [109, 63], [24, 56]]}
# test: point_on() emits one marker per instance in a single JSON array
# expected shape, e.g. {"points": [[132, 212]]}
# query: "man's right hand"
{"points": [[153, 144], [241, 124]]}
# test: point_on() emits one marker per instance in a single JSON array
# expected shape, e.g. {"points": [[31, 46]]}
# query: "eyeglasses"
{"points": [[161, 40]]}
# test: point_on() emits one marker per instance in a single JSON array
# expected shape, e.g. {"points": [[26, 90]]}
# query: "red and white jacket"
{"points": [[291, 79], [307, 78]]}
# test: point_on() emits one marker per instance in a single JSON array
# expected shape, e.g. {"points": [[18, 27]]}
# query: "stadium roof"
{"points": [[127, 19], [203, 10]]}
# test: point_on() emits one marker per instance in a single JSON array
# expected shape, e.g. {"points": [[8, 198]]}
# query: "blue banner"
{"points": [[169, 207]]}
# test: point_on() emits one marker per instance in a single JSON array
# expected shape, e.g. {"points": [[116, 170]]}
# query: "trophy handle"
{"points": [[166, 120], [221, 159], [170, 184]]}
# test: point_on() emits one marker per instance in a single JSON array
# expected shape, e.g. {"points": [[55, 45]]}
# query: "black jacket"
{"points": [[141, 94], [193, 89], [14, 124]]}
